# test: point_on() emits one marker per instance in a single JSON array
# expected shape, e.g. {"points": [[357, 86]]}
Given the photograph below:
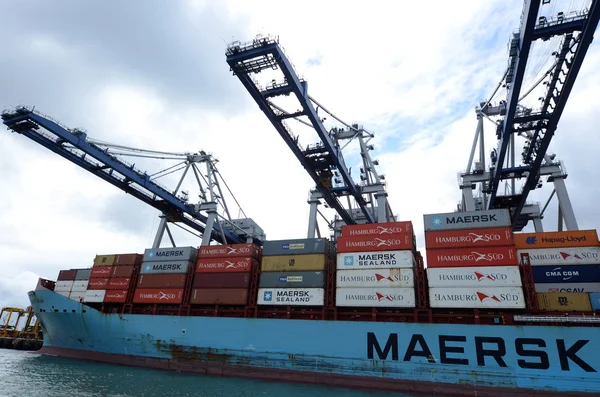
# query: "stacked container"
{"points": [[472, 261], [223, 274], [65, 281], [125, 269], [80, 284], [375, 265], [293, 272], [101, 270]]}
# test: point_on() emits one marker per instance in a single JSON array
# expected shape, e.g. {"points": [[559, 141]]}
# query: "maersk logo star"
{"points": [[437, 221], [348, 260], [268, 296], [148, 267]]}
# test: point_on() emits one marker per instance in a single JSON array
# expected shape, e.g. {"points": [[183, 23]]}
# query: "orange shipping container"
{"points": [[574, 238], [115, 296], [158, 295], [378, 229], [225, 265], [97, 283], [393, 242], [101, 271], [118, 283], [472, 257], [493, 237]]}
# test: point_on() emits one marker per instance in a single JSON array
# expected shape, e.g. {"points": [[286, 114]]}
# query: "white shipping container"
{"points": [[62, 286], [500, 276], [567, 287], [562, 256], [477, 298], [375, 278], [77, 295], [94, 295], [375, 297], [63, 293], [375, 260], [80, 285], [291, 296]]}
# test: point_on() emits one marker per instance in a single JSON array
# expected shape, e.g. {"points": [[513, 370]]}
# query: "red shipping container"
{"points": [[121, 271], [118, 283], [394, 242], [377, 229], [221, 280], [101, 271], [219, 296], [229, 265], [97, 283], [128, 259], [66, 275], [158, 295], [161, 280], [472, 257], [470, 238], [115, 296], [229, 251]]}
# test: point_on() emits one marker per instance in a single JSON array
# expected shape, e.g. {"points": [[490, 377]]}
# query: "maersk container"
{"points": [[477, 298], [283, 263], [104, 260], [471, 238], [375, 260], [122, 271], [118, 283], [225, 265], [94, 295], [595, 300], [564, 301], [562, 256], [567, 287], [499, 276], [83, 274], [212, 296], [292, 280], [467, 220], [395, 242], [97, 283], [377, 229], [221, 280], [63, 285], [101, 272], [375, 297], [161, 280], [115, 296], [566, 274], [77, 296], [80, 285], [165, 267], [291, 296], [229, 251], [128, 259], [572, 238], [375, 278], [472, 257], [296, 247], [187, 254], [66, 275], [158, 295]]}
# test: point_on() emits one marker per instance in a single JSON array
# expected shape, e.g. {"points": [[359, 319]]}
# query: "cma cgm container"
{"points": [[291, 296], [297, 247], [477, 297], [375, 243], [375, 297], [497, 276], [567, 287], [467, 220], [573, 238], [230, 265], [377, 229], [562, 256], [375, 260], [566, 274], [471, 238], [564, 301], [375, 278], [469, 257]]}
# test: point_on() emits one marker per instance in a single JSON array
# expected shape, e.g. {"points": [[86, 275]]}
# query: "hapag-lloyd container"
{"points": [[115, 296], [66, 275], [77, 296], [375, 260], [121, 271], [562, 256], [375, 297], [97, 283], [471, 238], [567, 287], [292, 280], [158, 295], [394, 242], [572, 238], [477, 298], [80, 285], [467, 220], [566, 274], [229, 251], [291, 296], [161, 280], [101, 272], [297, 247], [170, 254], [104, 260], [471, 257], [377, 229], [565, 301], [225, 265], [94, 295], [165, 267], [212, 296], [283, 263], [221, 280], [370, 278], [63, 285], [499, 276], [83, 274], [118, 283]]}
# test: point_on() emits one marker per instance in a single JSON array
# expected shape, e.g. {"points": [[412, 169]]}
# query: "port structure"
{"points": [[105, 160], [536, 124], [324, 161], [10, 318]]}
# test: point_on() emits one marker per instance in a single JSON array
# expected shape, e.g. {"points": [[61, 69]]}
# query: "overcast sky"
{"points": [[152, 74]]}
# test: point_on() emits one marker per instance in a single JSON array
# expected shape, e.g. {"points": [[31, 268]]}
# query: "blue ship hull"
{"points": [[475, 360]]}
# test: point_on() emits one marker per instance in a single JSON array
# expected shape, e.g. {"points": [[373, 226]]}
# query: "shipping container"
{"points": [[394, 242], [94, 295], [64, 285], [477, 298], [292, 280], [115, 296], [221, 280], [467, 220], [377, 229], [279, 263], [297, 247], [375, 260], [370, 278], [567, 287], [83, 274], [80, 285], [229, 251], [187, 254], [118, 283], [66, 275], [161, 280], [595, 300], [165, 267], [562, 256], [229, 296], [104, 260], [291, 296], [77, 296], [564, 301], [128, 259], [221, 265], [101, 271], [566, 274], [499, 276], [573, 238], [122, 271], [375, 297], [472, 257], [165, 296], [469, 238], [64, 293], [97, 283]]}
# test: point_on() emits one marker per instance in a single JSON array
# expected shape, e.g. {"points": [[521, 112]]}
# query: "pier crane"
{"points": [[573, 31]]}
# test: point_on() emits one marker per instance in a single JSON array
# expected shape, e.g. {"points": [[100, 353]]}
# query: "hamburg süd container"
{"points": [[158, 295], [66, 294], [121, 271], [377, 229], [221, 280], [375, 278], [375, 260], [282, 263], [229, 251], [291, 296], [472, 257], [97, 283], [595, 300], [115, 296], [77, 296], [572, 238], [477, 298], [292, 280], [187, 254], [66, 275], [83, 274], [567, 287], [467, 220], [469, 238], [94, 295], [562, 256], [499, 276], [80, 285], [165, 267], [101, 272], [225, 265], [104, 260], [566, 274], [297, 247], [395, 242], [212, 296], [128, 259], [375, 297], [118, 283], [564, 301], [63, 285], [161, 280]]}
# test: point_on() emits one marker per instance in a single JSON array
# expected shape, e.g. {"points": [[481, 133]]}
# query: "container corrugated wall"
{"points": [[595, 300], [564, 301], [166, 267], [395, 242], [83, 274], [308, 262], [296, 247], [221, 280], [121, 271], [161, 281], [375, 297], [229, 251], [104, 260], [63, 285], [499, 276], [97, 283], [158, 295], [101, 272], [470, 238], [477, 298], [467, 220], [573, 238], [115, 296], [377, 229], [94, 296], [230, 265], [292, 280], [375, 260], [212, 296], [66, 275], [562, 256], [567, 287], [187, 254], [566, 274], [291, 296], [470, 257], [375, 278]]}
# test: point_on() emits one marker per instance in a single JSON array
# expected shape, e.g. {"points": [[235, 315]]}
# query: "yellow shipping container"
{"points": [[565, 301], [280, 263], [104, 260]]}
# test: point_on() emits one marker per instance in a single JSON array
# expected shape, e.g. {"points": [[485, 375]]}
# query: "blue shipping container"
{"points": [[566, 274], [595, 299]]}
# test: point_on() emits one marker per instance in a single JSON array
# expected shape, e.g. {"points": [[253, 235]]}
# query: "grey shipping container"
{"points": [[467, 220], [298, 246], [170, 254], [165, 267], [292, 280], [83, 274]]}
